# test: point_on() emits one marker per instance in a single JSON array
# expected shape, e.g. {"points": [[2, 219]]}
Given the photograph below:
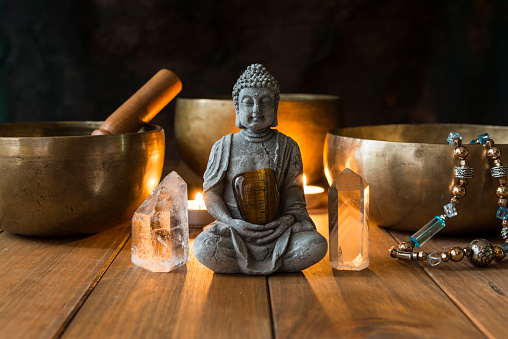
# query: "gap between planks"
{"points": [[92, 286], [388, 299], [190, 302], [480, 293], [45, 280]]}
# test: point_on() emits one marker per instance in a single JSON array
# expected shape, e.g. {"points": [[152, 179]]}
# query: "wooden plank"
{"points": [[189, 302], [43, 281], [481, 293], [388, 299]]}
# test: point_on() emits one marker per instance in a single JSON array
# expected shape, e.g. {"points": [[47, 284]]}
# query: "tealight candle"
{"points": [[313, 194], [198, 215]]}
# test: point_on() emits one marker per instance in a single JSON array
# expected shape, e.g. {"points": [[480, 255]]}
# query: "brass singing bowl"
{"points": [[58, 180], [306, 118], [409, 169]]}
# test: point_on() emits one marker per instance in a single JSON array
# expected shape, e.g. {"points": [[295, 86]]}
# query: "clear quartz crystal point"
{"points": [[429, 230], [348, 213], [160, 230], [434, 258]]}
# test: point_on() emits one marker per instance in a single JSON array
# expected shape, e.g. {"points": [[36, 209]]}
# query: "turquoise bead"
{"points": [[502, 213], [452, 136], [428, 231], [482, 138]]}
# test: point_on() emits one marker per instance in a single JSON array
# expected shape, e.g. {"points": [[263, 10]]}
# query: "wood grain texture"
{"points": [[388, 299], [189, 302], [481, 293], [44, 281]]}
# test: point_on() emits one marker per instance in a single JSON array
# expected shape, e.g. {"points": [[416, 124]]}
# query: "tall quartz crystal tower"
{"points": [[160, 230], [348, 214]]}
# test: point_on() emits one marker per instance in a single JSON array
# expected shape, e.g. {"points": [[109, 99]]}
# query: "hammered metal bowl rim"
{"points": [[66, 124], [339, 132], [283, 97]]}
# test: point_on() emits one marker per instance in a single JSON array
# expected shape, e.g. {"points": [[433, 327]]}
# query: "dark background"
{"points": [[394, 61]]}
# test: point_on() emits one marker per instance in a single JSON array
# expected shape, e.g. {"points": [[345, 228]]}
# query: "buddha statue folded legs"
{"points": [[221, 250]]}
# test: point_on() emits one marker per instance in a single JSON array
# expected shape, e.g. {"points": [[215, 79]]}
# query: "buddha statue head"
{"points": [[256, 96]]}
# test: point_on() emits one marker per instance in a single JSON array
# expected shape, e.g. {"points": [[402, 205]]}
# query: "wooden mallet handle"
{"points": [[143, 105]]}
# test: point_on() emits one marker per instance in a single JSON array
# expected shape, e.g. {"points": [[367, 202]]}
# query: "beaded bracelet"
{"points": [[480, 252]]}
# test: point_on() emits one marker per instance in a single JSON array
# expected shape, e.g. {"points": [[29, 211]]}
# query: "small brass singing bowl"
{"points": [[410, 172], [200, 122], [58, 180]]}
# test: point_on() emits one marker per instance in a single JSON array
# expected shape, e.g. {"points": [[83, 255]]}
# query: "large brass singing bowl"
{"points": [[306, 118], [409, 169], [58, 180]]}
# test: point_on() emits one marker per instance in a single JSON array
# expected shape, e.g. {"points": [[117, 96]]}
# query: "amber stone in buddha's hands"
{"points": [[257, 195]]}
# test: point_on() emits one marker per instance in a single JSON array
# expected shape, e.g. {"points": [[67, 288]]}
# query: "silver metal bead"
{"points": [[463, 181], [467, 251], [457, 141], [499, 171], [464, 163], [489, 143], [501, 180], [498, 162], [422, 256], [456, 254], [482, 252], [463, 172], [403, 255], [499, 254], [502, 201]]}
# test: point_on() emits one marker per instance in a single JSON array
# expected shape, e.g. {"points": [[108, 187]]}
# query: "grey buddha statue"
{"points": [[253, 187]]}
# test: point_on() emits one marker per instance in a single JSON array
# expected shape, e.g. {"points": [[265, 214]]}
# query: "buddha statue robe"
{"points": [[220, 247]]}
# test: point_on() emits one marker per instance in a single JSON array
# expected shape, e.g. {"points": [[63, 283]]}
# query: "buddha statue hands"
{"points": [[253, 187]]}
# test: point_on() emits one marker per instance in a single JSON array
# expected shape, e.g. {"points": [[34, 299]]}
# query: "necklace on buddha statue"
{"points": [[257, 137], [480, 252]]}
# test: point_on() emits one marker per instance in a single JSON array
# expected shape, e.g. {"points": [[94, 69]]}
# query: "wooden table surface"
{"points": [[87, 287]]}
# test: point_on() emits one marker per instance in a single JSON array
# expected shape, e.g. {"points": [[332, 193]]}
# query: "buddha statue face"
{"points": [[256, 110], [256, 98]]}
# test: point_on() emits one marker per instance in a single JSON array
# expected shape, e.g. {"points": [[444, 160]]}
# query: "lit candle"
{"points": [[198, 215], [313, 194]]}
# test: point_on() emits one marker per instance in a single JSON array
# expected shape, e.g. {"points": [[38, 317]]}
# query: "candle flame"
{"points": [[304, 181], [200, 201]]}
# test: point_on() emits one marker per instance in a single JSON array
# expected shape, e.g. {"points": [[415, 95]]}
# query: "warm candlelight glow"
{"points": [[313, 194], [198, 215], [311, 189], [200, 201]]}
